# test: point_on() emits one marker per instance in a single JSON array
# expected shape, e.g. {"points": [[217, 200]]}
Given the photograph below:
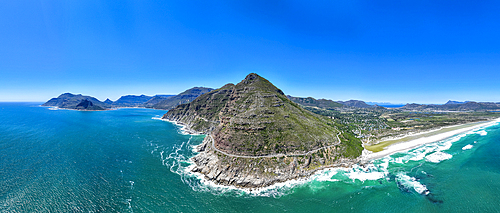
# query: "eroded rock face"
{"points": [[256, 130], [262, 172]]}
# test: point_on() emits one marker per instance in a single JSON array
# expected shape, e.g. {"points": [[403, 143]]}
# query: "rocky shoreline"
{"points": [[229, 171], [257, 137], [256, 172]]}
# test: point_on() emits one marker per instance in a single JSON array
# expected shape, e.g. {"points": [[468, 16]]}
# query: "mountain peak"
{"points": [[250, 78], [456, 102], [253, 119]]}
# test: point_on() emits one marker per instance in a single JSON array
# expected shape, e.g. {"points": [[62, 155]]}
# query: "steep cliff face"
{"points": [[251, 126], [255, 118]]}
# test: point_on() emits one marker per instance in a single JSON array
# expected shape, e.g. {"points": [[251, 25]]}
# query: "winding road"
{"points": [[273, 155]]}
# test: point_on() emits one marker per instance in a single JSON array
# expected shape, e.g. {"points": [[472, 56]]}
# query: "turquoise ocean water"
{"points": [[127, 160]]}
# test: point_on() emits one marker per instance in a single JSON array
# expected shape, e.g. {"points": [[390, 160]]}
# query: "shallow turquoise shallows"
{"points": [[127, 160]]}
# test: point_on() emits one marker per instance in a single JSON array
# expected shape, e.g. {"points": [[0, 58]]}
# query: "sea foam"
{"points": [[468, 146], [411, 182], [437, 157], [482, 132]]}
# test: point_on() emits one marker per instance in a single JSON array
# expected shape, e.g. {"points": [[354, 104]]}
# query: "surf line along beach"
{"points": [[391, 146]]}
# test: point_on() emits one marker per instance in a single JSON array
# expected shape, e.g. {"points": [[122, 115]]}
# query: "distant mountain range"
{"points": [[167, 102], [321, 103], [329, 104], [182, 98], [454, 106], [131, 101], [385, 104], [81, 102], [356, 104], [449, 106], [456, 102]]}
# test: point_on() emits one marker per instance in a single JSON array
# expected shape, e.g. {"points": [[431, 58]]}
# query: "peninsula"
{"points": [[89, 103], [256, 136]]}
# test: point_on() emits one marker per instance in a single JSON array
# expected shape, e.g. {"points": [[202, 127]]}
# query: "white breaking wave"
{"points": [[157, 118], [370, 172], [411, 182], [482, 132], [469, 146], [437, 157]]}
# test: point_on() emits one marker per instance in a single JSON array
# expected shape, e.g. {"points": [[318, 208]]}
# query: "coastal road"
{"points": [[273, 155]]}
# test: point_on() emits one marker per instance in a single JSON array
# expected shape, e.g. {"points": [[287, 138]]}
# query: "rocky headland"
{"points": [[77, 102], [257, 137], [89, 103]]}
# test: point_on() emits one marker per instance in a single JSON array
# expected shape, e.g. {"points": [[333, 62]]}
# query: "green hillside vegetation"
{"points": [[321, 103], [254, 118]]}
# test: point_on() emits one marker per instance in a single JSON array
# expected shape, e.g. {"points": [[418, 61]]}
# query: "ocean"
{"points": [[128, 160]]}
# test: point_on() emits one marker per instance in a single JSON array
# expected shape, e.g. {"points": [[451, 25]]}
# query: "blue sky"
{"points": [[386, 51]]}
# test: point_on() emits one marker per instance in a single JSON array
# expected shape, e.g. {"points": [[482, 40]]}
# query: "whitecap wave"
{"points": [[411, 182], [437, 157], [482, 132], [369, 172], [184, 130], [468, 146], [425, 150]]}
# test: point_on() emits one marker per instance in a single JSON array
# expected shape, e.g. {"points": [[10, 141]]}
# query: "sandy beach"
{"points": [[414, 140]]}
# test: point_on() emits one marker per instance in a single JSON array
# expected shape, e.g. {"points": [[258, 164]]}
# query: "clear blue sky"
{"points": [[386, 51]]}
